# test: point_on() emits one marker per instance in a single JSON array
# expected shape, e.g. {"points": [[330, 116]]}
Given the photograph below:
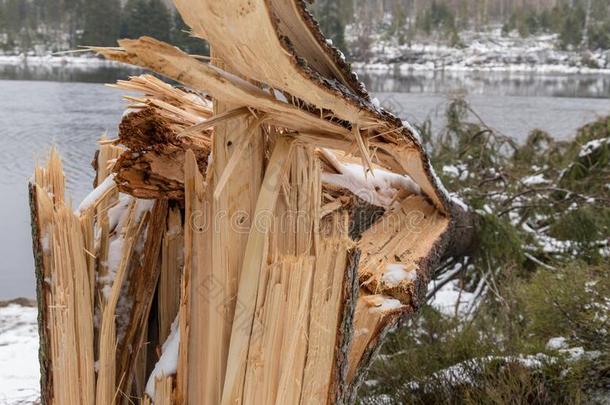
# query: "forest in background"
{"points": [[42, 26], [579, 23]]}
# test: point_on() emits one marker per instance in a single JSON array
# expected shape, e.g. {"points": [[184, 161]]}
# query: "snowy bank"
{"points": [[19, 370], [489, 51], [68, 60]]}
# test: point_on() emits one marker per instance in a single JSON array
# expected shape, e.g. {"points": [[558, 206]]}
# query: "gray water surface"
{"points": [[34, 115], [523, 84], [515, 116]]}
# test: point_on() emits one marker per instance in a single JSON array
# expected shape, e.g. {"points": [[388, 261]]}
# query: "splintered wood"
{"points": [[393, 247], [253, 233], [172, 261], [65, 288]]}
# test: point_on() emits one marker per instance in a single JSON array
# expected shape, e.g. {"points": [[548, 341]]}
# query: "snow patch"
{"points": [[451, 170], [379, 188], [452, 300], [387, 304], [19, 370], [168, 362], [87, 62], [45, 242], [279, 96], [396, 273], [534, 180], [96, 194], [413, 131], [457, 200], [560, 344], [557, 343], [592, 146]]}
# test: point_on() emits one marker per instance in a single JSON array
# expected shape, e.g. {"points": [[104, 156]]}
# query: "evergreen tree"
{"points": [[159, 20], [599, 29], [398, 28], [599, 37], [347, 9], [182, 39], [21, 23], [437, 18], [72, 20], [146, 17], [2, 17], [102, 22], [572, 29], [331, 24], [463, 15], [53, 11], [133, 21], [4, 45]]}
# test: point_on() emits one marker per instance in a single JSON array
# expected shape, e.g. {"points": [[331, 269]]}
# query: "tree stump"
{"points": [[276, 213]]}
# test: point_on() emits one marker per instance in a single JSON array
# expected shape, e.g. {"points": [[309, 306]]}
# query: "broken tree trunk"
{"points": [[252, 236]]}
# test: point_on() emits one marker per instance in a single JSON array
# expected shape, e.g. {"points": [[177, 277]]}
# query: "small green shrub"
{"points": [[438, 359]]}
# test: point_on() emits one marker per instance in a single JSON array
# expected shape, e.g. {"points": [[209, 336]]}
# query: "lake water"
{"points": [[512, 103], [41, 107]]}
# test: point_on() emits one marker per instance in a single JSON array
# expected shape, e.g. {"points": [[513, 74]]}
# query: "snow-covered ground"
{"points": [[19, 372], [484, 51], [451, 300]]}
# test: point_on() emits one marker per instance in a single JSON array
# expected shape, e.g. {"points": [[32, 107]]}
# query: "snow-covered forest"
{"points": [[580, 23], [39, 26], [42, 26]]}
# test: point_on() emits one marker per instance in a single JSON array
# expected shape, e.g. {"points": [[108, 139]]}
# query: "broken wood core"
{"points": [[251, 236]]}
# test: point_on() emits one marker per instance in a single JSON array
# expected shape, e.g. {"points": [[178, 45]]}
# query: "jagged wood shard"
{"points": [[252, 236]]}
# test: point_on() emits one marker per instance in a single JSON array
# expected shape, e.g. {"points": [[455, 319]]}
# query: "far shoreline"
{"points": [[372, 66], [21, 301], [416, 68]]}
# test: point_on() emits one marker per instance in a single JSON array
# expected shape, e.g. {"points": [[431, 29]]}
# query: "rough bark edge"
{"points": [[337, 390], [388, 323], [463, 237], [362, 216], [350, 97], [336, 55], [46, 377]]}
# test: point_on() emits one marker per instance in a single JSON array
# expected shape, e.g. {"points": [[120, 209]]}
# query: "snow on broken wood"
{"points": [[253, 233]]}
